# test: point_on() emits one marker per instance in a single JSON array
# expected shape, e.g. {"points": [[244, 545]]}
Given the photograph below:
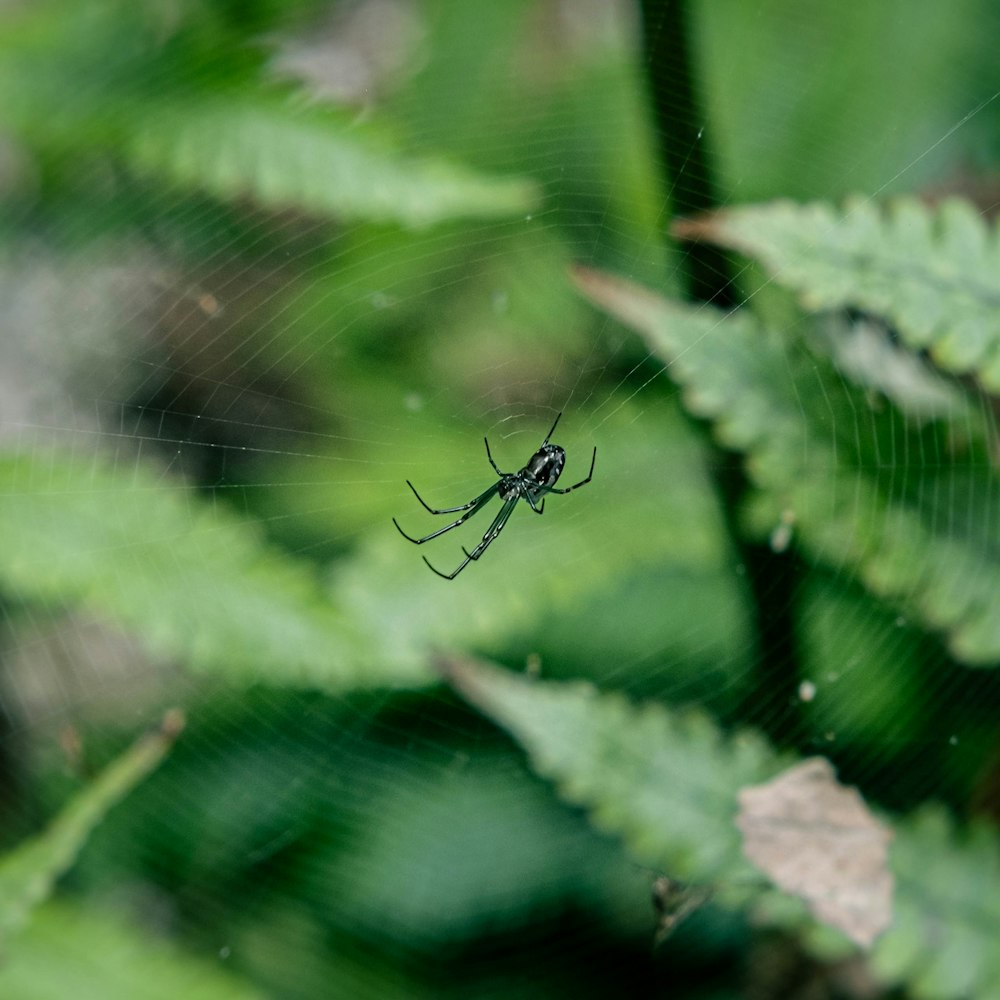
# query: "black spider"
{"points": [[534, 481]]}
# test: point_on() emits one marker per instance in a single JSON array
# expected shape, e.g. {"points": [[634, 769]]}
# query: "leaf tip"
{"points": [[584, 277], [468, 677], [696, 228], [172, 724]]}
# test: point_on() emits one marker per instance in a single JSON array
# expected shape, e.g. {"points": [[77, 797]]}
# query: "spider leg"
{"points": [[531, 503], [443, 510], [490, 457], [583, 482], [552, 429], [492, 532], [476, 507]]}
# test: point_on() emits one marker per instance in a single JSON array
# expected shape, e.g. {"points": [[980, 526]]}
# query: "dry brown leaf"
{"points": [[816, 839]]}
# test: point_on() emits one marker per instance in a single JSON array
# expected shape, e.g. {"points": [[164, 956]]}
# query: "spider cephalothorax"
{"points": [[541, 472], [532, 483]]}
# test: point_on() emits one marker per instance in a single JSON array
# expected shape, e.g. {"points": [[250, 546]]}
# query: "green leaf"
{"points": [[28, 873], [933, 273], [864, 352], [801, 432], [182, 98], [283, 157], [666, 782], [194, 581], [943, 940], [415, 874], [70, 951]]}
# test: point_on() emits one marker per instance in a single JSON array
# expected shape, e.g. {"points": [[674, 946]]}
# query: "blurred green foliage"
{"points": [[260, 263]]}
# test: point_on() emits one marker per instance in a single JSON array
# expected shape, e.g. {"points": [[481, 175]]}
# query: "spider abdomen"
{"points": [[545, 466]]}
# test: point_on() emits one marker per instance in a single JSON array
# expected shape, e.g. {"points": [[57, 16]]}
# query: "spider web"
{"points": [[297, 371]]}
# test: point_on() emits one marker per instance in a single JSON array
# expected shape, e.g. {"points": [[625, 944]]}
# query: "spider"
{"points": [[532, 483]]}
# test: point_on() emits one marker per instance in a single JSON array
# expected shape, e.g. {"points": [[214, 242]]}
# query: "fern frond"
{"points": [[775, 402], [194, 581], [198, 584], [283, 157], [666, 782], [943, 940], [934, 273], [864, 352], [142, 87], [28, 873]]}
